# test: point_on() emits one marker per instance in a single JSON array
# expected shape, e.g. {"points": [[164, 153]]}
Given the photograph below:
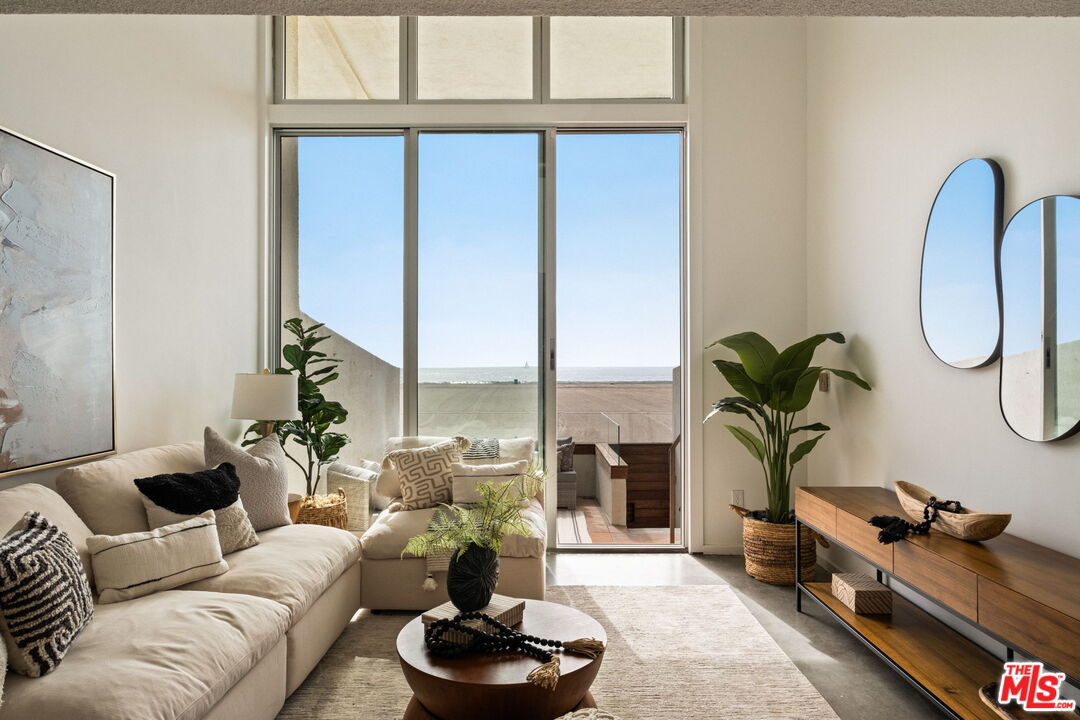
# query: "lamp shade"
{"points": [[263, 396]]}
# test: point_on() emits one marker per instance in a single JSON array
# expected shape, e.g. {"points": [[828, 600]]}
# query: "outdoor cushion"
{"points": [[104, 495], [167, 656], [21, 499], [387, 536], [292, 565]]}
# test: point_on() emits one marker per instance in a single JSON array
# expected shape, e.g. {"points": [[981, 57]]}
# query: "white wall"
{"points": [[170, 105], [748, 212], [893, 106]]}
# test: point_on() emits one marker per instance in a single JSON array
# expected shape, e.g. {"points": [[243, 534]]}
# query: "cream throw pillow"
{"points": [[140, 563], [467, 477], [426, 476], [264, 477]]}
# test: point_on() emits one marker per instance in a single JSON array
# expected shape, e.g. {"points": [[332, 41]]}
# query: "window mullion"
{"points": [[410, 390]]}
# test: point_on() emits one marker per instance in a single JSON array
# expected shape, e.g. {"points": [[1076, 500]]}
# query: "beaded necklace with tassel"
{"points": [[500, 638]]}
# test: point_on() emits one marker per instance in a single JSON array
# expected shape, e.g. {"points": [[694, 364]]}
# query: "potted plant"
{"points": [[773, 387], [320, 445], [472, 537]]}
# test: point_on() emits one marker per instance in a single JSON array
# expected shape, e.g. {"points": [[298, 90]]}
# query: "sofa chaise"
{"points": [[393, 582]]}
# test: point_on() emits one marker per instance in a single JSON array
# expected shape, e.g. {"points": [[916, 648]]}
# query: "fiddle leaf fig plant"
{"points": [[773, 387], [315, 369]]}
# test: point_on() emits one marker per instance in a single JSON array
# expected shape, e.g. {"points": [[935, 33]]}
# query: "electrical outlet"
{"points": [[738, 497], [823, 381]]}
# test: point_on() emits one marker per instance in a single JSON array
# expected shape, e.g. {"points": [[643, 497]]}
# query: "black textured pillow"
{"points": [[193, 493], [45, 598]]}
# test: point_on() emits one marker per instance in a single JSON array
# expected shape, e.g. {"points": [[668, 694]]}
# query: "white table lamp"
{"points": [[266, 397]]}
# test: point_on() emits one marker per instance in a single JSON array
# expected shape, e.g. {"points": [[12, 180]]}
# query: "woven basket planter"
{"points": [[769, 549], [330, 510]]}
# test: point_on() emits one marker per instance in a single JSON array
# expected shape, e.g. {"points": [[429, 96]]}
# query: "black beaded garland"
{"points": [[499, 638]]}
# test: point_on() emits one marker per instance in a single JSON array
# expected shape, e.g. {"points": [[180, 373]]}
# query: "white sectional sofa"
{"points": [[229, 647]]}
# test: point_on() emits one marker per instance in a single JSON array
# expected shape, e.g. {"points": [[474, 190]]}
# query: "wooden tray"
{"points": [[967, 524]]}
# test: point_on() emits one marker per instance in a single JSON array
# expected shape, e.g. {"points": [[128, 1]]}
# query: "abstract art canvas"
{"points": [[56, 307]]}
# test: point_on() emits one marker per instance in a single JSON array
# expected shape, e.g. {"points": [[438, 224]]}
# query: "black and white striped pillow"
{"points": [[45, 598]]}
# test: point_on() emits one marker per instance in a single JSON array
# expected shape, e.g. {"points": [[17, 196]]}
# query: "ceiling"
{"points": [[894, 8]]}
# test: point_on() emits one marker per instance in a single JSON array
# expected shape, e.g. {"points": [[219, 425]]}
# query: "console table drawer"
{"points": [[861, 537], [1029, 625], [816, 512], [937, 577]]}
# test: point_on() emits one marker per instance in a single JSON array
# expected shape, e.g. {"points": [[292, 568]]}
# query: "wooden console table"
{"points": [[1024, 595]]}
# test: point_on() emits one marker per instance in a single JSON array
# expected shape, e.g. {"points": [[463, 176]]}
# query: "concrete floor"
{"points": [[854, 681]]}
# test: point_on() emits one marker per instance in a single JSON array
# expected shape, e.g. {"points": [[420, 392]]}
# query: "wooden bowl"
{"points": [[967, 524]]}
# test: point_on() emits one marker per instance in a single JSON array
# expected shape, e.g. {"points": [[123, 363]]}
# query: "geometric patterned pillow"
{"points": [[427, 477], [45, 599]]}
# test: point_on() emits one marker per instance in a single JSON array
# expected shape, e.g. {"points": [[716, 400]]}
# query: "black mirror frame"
{"points": [[1001, 305], [999, 228]]}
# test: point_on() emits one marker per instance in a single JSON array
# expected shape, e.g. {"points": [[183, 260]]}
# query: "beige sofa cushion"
{"points": [[21, 499], [291, 565], [167, 656], [387, 536], [104, 495], [467, 477]]}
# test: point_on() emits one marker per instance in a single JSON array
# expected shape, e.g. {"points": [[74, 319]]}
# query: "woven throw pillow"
{"points": [[263, 473], [427, 478], [172, 498], [565, 449], [140, 563], [467, 477], [45, 598]]}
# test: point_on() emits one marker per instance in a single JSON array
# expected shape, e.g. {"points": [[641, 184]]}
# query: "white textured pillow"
{"points": [[510, 450], [467, 477], [263, 473], [136, 564]]}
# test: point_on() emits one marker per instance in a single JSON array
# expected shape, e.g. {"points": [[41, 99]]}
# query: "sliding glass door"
{"points": [[619, 243], [478, 250], [448, 278]]}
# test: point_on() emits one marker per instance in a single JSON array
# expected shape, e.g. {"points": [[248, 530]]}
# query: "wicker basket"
{"points": [[331, 510], [769, 549]]}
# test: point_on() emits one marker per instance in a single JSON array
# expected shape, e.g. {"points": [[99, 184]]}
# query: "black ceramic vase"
{"points": [[471, 578]]}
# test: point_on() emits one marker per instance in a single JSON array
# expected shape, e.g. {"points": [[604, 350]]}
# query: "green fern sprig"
{"points": [[454, 528]]}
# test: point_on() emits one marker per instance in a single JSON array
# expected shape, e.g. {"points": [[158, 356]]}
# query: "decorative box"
{"points": [[507, 610], [862, 594]]}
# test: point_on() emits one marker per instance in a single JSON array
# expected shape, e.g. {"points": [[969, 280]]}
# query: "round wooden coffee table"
{"points": [[494, 686]]}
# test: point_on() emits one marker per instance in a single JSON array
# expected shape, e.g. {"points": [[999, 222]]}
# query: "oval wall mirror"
{"points": [[1040, 283], [960, 300]]}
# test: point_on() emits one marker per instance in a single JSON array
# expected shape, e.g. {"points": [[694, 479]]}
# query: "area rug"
{"points": [[674, 653]]}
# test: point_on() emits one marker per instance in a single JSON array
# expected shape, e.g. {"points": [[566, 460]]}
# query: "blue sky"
{"points": [[618, 244], [1021, 271], [959, 293]]}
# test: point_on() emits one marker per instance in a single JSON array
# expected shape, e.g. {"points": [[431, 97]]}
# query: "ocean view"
{"points": [[487, 375]]}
